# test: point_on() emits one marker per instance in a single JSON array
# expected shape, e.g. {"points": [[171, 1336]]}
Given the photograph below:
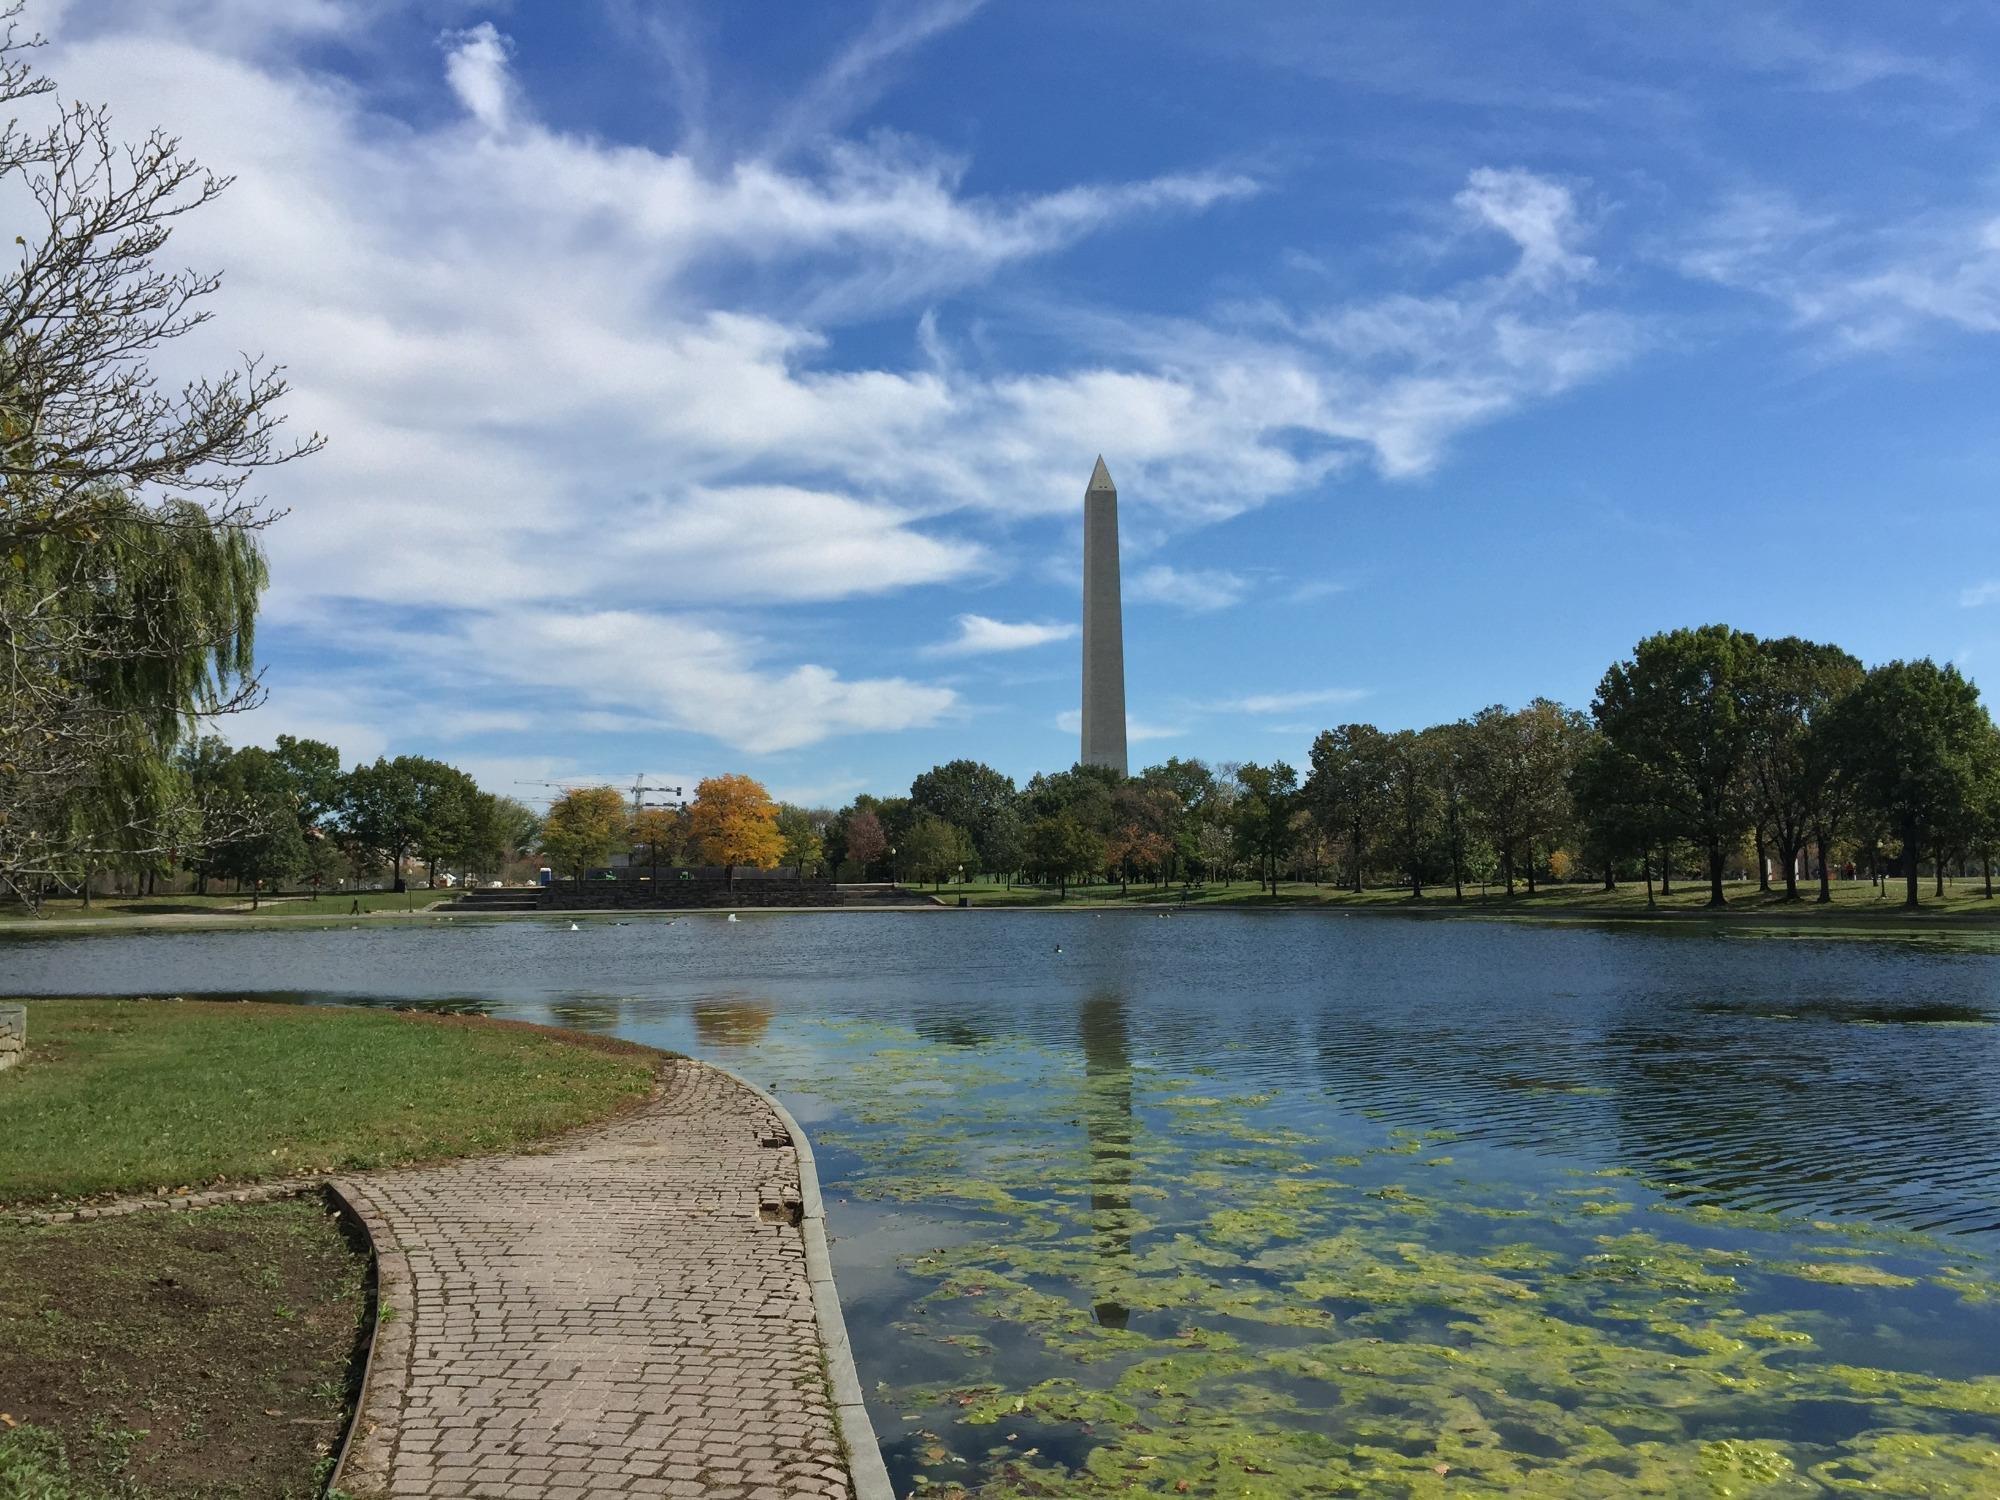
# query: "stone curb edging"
{"points": [[267, 1192], [390, 1338], [865, 1468]]}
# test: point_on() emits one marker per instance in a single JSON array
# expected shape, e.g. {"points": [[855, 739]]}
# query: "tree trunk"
{"points": [[1986, 861], [1764, 864], [1825, 869], [1507, 867], [1666, 872], [1529, 865], [1715, 896], [1910, 847], [1790, 853], [1646, 871]]}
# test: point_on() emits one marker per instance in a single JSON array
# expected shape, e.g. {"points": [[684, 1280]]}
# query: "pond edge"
{"points": [[865, 1468]]}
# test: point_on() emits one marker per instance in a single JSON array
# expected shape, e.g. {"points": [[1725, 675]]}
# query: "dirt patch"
{"points": [[196, 1354]]}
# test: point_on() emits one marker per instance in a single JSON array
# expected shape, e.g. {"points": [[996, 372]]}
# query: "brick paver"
{"points": [[627, 1314]]}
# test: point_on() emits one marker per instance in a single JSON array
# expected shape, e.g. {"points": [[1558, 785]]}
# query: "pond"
{"points": [[1311, 1204]]}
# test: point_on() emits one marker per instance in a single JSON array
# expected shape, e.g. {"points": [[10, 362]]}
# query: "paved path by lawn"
{"points": [[627, 1314]]}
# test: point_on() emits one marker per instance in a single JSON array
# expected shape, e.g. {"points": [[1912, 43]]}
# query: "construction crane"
{"points": [[639, 788]]}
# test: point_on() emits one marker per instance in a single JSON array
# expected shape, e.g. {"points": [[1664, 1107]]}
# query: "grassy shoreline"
{"points": [[216, 1353], [1963, 906], [1856, 909], [125, 1096]]}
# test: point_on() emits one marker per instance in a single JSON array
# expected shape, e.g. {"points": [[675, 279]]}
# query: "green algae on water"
{"points": [[1310, 1306]]}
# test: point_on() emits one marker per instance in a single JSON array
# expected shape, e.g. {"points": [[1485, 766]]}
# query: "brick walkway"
{"points": [[627, 1314]]}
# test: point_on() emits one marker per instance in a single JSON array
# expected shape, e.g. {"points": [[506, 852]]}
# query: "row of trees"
{"points": [[732, 822], [1708, 748], [290, 814]]}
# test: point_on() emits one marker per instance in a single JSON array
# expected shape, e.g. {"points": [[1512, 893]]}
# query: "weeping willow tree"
{"points": [[130, 567]]}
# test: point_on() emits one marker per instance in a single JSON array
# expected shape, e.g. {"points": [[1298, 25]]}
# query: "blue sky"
{"points": [[713, 387]]}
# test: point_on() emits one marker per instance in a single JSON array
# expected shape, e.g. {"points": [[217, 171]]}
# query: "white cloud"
{"points": [[1197, 589], [979, 635], [1538, 215], [641, 671], [1867, 285], [476, 66], [577, 387], [779, 543], [1277, 703], [1980, 594]]}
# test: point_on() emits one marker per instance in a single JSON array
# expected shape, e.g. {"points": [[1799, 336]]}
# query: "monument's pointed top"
{"points": [[1100, 479]]}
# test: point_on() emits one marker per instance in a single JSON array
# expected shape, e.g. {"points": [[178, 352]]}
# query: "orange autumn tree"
{"points": [[735, 822]]}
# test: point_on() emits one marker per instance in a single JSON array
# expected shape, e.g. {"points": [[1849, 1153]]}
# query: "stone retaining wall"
{"points": [[693, 895], [13, 1034]]}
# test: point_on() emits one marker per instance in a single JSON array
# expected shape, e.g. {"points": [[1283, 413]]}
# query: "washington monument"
{"points": [[1103, 627]]}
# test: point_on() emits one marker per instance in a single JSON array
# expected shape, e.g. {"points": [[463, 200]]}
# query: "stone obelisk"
{"points": [[1103, 627]]}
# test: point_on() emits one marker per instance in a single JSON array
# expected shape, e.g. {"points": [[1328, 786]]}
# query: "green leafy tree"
{"points": [[1517, 784], [1264, 816], [313, 776], [1683, 707], [1796, 779], [1450, 748], [1916, 740], [804, 844], [1347, 788], [934, 850], [1062, 848], [411, 805], [968, 795], [271, 845], [1414, 829], [1006, 850], [1620, 810]]}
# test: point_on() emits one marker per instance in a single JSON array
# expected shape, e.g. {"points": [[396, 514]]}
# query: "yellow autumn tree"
{"points": [[735, 822], [663, 833], [584, 826]]}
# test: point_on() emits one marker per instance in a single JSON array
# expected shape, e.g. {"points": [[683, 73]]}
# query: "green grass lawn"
{"points": [[1852, 900], [328, 904], [123, 1096]]}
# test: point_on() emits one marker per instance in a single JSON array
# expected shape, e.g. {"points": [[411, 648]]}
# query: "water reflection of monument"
{"points": [[1108, 1130]]}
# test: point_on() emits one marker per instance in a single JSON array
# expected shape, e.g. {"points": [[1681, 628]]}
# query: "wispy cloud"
{"points": [[1865, 285], [1980, 594], [855, 77], [1196, 589], [979, 635], [1278, 703], [476, 67]]}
